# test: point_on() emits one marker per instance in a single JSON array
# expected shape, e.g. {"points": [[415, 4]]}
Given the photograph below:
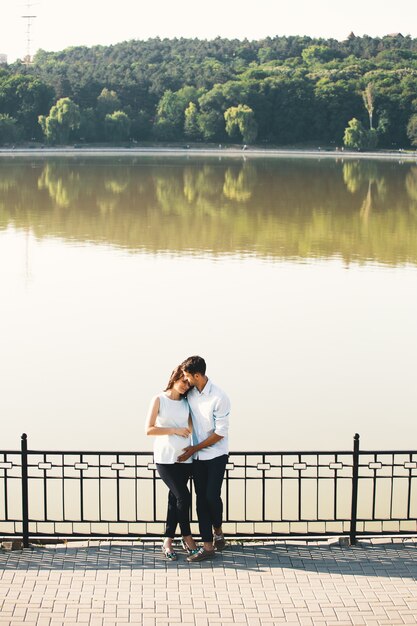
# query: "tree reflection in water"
{"points": [[282, 208]]}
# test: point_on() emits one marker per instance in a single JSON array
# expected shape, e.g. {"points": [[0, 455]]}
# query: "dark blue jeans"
{"points": [[176, 477], [208, 477]]}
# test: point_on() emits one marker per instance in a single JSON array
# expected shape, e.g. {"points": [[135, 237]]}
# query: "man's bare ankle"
{"points": [[189, 542]]}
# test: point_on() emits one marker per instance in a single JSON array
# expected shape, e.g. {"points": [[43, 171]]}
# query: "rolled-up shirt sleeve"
{"points": [[221, 416]]}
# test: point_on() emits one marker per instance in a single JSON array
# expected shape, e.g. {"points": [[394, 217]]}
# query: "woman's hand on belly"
{"points": [[181, 432]]}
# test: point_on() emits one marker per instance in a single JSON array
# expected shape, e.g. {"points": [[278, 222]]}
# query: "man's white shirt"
{"points": [[210, 411]]}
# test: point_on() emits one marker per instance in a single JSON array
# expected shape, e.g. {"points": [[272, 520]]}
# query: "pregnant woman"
{"points": [[169, 421]]}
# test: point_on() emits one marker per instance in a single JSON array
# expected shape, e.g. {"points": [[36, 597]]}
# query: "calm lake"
{"points": [[295, 278]]}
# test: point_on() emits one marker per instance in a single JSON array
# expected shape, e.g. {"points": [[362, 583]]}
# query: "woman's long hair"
{"points": [[177, 373]]}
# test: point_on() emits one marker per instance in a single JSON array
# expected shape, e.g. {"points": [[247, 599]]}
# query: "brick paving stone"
{"points": [[263, 583], [201, 621], [342, 616]]}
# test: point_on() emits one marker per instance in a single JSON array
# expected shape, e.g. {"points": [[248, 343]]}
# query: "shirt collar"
{"points": [[207, 388]]}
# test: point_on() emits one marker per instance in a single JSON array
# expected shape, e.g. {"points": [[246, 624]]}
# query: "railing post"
{"points": [[355, 478], [25, 496]]}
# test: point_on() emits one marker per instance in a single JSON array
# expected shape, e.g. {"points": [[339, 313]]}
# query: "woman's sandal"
{"points": [[169, 554], [188, 550]]}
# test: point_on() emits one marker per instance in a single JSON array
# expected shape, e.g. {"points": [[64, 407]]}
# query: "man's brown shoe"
{"points": [[201, 555], [219, 542]]}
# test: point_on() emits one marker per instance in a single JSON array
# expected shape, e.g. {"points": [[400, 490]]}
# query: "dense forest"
{"points": [[361, 92]]}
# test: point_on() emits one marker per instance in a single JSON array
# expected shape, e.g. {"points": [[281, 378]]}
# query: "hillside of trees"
{"points": [[279, 91]]}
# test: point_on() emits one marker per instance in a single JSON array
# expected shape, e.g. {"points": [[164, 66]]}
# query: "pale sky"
{"points": [[88, 22]]}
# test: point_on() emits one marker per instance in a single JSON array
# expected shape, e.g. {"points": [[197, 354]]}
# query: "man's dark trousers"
{"points": [[208, 477]]}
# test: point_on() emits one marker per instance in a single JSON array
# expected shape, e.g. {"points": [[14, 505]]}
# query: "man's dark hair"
{"points": [[194, 365]]}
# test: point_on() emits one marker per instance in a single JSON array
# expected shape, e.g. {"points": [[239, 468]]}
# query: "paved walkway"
{"points": [[109, 583]]}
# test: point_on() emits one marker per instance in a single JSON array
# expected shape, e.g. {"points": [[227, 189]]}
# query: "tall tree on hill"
{"points": [[368, 96]]}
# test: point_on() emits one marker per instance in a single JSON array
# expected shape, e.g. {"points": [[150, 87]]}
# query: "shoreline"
{"points": [[208, 152]]}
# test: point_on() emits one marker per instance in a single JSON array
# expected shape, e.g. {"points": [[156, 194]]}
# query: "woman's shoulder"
{"points": [[162, 398], [155, 400]]}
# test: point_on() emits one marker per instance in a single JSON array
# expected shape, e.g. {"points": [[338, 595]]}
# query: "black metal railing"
{"points": [[101, 494]]}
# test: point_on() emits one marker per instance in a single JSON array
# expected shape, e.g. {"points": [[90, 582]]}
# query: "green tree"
{"points": [[287, 96], [396, 90], [355, 135], [241, 119], [25, 98], [211, 124], [191, 127], [412, 129], [64, 117], [213, 71], [358, 138], [88, 125], [231, 117], [170, 114], [318, 54], [336, 101], [9, 131], [107, 102], [141, 126], [117, 126], [372, 139]]}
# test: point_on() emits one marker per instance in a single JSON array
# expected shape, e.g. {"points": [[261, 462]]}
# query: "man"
{"points": [[210, 408]]}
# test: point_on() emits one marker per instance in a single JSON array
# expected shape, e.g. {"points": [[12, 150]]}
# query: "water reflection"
{"points": [[283, 209]]}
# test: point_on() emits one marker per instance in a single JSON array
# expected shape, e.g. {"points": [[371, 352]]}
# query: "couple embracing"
{"points": [[190, 422]]}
